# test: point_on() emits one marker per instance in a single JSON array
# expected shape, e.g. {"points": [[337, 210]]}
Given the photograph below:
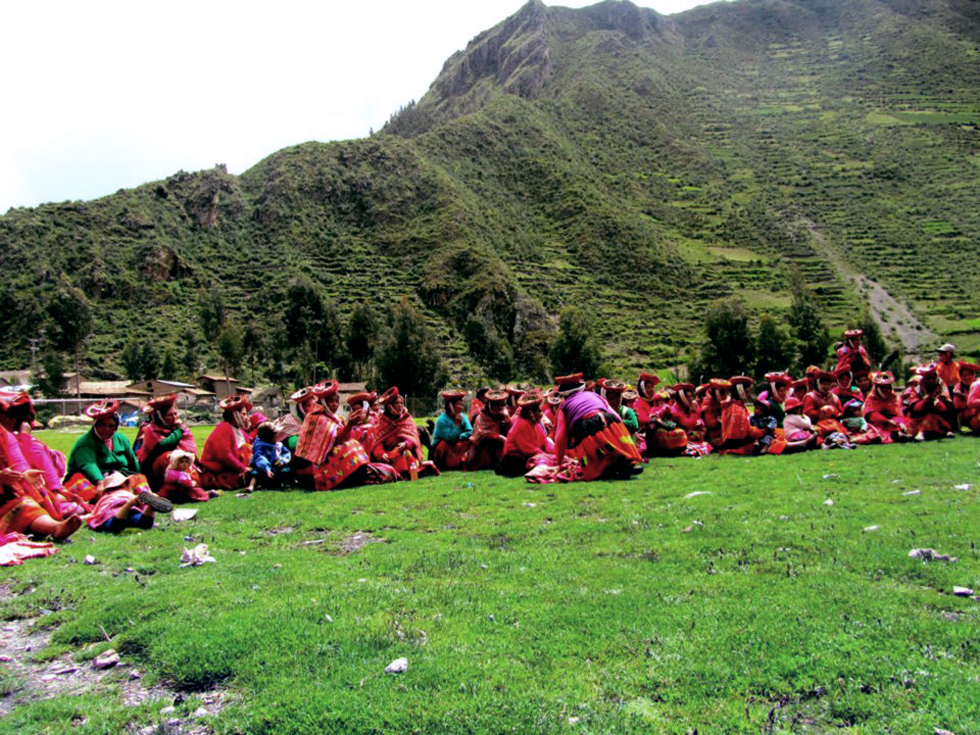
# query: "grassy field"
{"points": [[607, 607]]}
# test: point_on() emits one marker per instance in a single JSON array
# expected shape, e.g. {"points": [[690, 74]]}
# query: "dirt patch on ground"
{"points": [[357, 541], [279, 531], [29, 680]]}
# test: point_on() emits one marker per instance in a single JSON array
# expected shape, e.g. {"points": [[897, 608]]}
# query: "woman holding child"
{"points": [[161, 435]]}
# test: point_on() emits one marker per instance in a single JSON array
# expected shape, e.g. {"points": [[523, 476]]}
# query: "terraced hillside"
{"points": [[637, 165]]}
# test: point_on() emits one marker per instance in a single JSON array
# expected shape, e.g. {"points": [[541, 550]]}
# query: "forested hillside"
{"points": [[638, 166]]}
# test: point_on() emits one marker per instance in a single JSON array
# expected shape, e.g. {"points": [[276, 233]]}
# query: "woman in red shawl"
{"points": [[715, 396], [22, 512], [325, 441], [363, 401], [162, 434], [929, 406], [646, 386], [489, 432], [664, 438], [862, 383], [821, 396], [844, 389], [968, 415], [227, 451], [684, 409], [851, 354], [738, 435], [527, 443], [396, 439], [883, 408]]}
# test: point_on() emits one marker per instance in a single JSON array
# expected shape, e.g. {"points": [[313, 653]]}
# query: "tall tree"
{"points": [[230, 346], [168, 369], [812, 338], [141, 360], [409, 356], [773, 347], [211, 311], [576, 348], [363, 333], [314, 322], [729, 346], [70, 323], [491, 350]]}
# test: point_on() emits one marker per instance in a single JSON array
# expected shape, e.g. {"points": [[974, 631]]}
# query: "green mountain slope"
{"points": [[638, 165]]}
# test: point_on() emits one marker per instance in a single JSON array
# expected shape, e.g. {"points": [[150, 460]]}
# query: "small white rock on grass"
{"points": [[398, 666], [871, 528], [106, 660], [828, 502], [698, 492], [962, 591]]}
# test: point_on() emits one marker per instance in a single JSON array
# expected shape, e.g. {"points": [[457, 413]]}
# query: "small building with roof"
{"points": [[187, 393], [222, 387]]}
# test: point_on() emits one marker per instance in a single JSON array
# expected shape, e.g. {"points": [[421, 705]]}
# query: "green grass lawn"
{"points": [[587, 608]]}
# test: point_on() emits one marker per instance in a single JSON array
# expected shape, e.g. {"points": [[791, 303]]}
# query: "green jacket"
{"points": [[92, 457], [628, 415]]}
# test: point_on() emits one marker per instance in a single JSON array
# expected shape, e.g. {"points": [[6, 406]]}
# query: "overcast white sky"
{"points": [[109, 94]]}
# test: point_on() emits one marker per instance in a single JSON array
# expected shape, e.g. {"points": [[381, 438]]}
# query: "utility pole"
{"points": [[32, 343]]}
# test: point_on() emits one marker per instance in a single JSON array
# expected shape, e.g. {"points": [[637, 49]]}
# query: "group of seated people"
{"points": [[573, 430], [518, 432], [44, 495], [112, 484]]}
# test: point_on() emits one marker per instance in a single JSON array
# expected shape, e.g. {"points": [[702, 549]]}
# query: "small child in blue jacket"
{"points": [[270, 459]]}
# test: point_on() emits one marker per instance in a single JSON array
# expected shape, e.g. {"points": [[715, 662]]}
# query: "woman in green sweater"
{"points": [[102, 468], [99, 452]]}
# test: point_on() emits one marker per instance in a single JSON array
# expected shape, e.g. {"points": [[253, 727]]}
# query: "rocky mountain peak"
{"points": [[514, 55]]}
